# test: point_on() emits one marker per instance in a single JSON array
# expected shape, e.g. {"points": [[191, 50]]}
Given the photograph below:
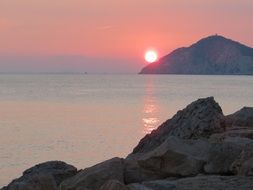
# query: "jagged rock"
{"points": [[215, 182], [189, 157], [94, 177], [114, 185], [239, 124], [176, 157], [199, 119], [243, 117], [137, 186], [243, 132], [198, 183], [160, 185], [246, 168], [134, 173], [44, 176], [244, 164], [220, 158]]}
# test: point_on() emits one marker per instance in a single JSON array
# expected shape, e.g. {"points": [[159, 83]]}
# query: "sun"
{"points": [[151, 56]]}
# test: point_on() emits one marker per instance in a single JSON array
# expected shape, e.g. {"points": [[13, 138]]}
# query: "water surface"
{"points": [[84, 119]]}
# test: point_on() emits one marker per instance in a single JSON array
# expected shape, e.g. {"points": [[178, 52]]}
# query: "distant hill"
{"points": [[211, 55]]}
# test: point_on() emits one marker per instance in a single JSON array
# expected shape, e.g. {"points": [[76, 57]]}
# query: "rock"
{"points": [[200, 119], [176, 157], [243, 132], [187, 157], [239, 124], [36, 182], [247, 168], [44, 176], [114, 185], [134, 173], [243, 117], [198, 183], [94, 177], [160, 185], [220, 158], [137, 186], [215, 182], [244, 164], [222, 155]]}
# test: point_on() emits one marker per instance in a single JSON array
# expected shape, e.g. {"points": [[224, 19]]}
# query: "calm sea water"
{"points": [[84, 119]]}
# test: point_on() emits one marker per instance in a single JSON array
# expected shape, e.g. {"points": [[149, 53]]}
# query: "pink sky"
{"points": [[110, 35]]}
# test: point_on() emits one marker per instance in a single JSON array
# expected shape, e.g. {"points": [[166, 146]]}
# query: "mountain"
{"points": [[212, 55]]}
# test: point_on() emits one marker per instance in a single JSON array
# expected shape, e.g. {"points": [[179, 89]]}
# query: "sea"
{"points": [[84, 119]]}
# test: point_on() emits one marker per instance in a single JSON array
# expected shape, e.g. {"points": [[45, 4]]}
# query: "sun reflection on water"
{"points": [[150, 118]]}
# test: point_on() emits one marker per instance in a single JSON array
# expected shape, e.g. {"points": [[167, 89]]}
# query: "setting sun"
{"points": [[151, 56]]}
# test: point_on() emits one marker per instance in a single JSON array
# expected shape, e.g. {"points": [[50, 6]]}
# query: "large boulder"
{"points": [[44, 176], [220, 158], [243, 117], [134, 173], [177, 157], [243, 132], [160, 185], [244, 164], [200, 119], [225, 157], [215, 182], [138, 186], [190, 157], [239, 124], [94, 177], [114, 185], [198, 183]]}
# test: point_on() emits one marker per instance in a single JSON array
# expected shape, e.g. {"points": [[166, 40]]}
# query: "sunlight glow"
{"points": [[151, 56]]}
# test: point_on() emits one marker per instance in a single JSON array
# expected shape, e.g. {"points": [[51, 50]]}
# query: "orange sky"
{"points": [[111, 34]]}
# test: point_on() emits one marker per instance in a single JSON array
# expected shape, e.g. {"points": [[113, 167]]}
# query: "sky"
{"points": [[110, 36]]}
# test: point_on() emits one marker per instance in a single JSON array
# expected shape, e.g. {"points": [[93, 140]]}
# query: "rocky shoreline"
{"points": [[197, 149]]}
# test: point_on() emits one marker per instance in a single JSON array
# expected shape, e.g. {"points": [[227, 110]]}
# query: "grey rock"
{"points": [[160, 185], [246, 168], [134, 173], [214, 183], [239, 124], [137, 186], [114, 185], [177, 157], [227, 156], [220, 158], [243, 117], [243, 132], [211, 55], [244, 164], [200, 119], [198, 183], [94, 177], [44, 176]]}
